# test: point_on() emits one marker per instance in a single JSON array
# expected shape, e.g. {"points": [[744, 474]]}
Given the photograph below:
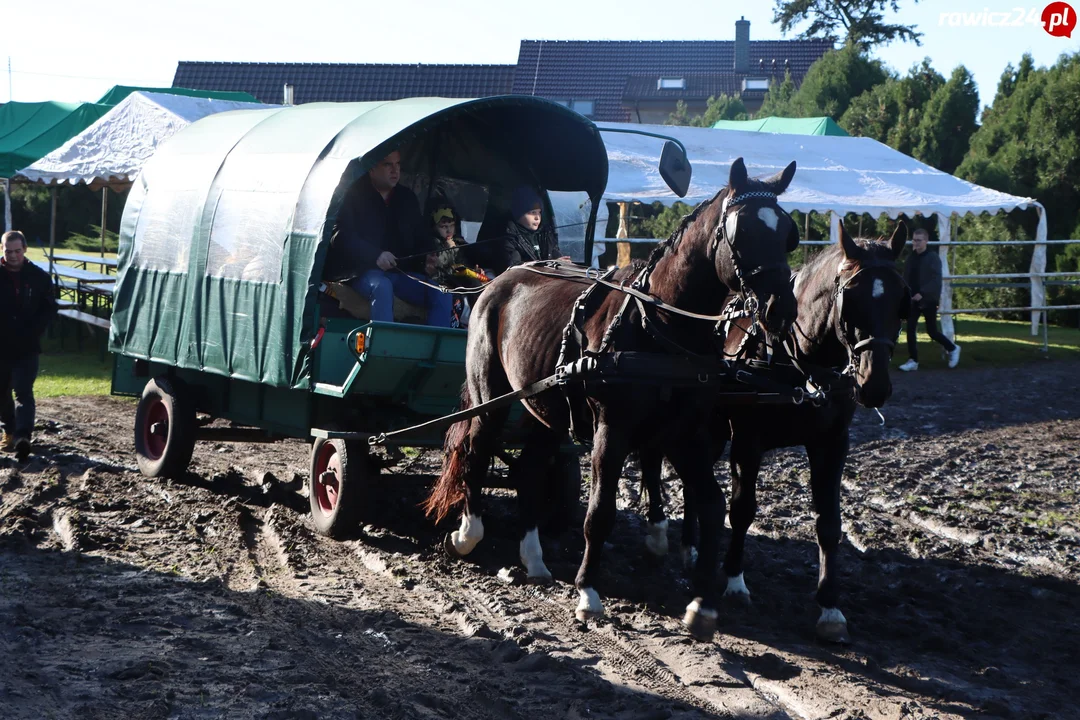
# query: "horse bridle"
{"points": [[842, 284]]}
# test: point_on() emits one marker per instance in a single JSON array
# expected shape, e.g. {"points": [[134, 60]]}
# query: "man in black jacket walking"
{"points": [[922, 272], [27, 306]]}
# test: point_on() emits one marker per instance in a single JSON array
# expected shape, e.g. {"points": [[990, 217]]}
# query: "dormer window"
{"points": [[755, 84], [671, 83]]}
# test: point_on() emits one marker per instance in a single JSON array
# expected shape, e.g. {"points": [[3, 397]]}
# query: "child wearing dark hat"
{"points": [[526, 239]]}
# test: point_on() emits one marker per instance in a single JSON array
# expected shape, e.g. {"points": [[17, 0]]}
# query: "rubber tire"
{"points": [[180, 441], [355, 488]]}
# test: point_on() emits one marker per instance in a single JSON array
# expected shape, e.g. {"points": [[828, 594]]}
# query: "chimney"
{"points": [[742, 45], [288, 97]]}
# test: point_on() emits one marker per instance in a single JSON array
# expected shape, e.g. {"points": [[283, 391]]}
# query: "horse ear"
{"points": [[849, 246], [737, 177], [779, 182], [897, 242]]}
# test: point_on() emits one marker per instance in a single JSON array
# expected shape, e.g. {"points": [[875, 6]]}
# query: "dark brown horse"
{"points": [[851, 300], [735, 243]]}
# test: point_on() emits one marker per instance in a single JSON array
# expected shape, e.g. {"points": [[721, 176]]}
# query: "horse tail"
{"points": [[450, 489]]}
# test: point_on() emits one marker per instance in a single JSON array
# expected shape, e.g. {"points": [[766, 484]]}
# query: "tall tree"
{"points": [[948, 122], [834, 80], [855, 22], [721, 107]]}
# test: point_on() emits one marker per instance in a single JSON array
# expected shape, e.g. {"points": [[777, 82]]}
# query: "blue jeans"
{"points": [[380, 288], [18, 374]]}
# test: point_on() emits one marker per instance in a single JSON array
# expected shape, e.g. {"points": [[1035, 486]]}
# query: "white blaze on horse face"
{"points": [[532, 556], [730, 226], [879, 288], [589, 602], [656, 541], [768, 216], [736, 586], [470, 533]]}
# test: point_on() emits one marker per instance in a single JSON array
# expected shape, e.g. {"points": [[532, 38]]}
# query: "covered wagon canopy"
{"points": [[113, 149], [226, 229]]}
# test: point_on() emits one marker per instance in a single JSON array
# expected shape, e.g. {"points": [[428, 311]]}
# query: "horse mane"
{"points": [[825, 261], [673, 240]]}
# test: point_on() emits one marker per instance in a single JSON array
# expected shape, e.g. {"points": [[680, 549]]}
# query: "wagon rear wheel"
{"points": [[342, 477], [164, 428]]}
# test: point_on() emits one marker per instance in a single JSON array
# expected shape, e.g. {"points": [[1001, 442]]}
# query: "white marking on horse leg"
{"points": [[696, 608], [830, 616], [468, 535], [589, 604], [768, 216], [656, 541], [879, 288], [532, 556], [689, 557], [736, 586]]}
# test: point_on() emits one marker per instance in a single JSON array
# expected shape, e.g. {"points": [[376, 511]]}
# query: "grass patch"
{"points": [[69, 371], [993, 343]]}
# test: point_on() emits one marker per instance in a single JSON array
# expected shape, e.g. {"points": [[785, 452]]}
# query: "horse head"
{"points": [[871, 300], [753, 238]]}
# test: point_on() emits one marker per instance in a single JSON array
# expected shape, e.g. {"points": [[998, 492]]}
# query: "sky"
{"points": [[73, 50]]}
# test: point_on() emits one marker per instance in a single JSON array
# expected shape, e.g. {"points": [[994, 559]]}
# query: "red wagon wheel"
{"points": [[340, 490], [164, 428]]}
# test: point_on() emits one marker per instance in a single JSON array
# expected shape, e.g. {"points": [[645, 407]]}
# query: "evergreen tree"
{"points": [[854, 22]]}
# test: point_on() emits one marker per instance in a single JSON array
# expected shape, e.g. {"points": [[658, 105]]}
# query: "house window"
{"points": [[585, 107], [668, 83], [755, 84], [562, 101]]}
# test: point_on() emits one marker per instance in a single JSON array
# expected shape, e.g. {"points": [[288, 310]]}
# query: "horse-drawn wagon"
{"points": [[222, 252]]}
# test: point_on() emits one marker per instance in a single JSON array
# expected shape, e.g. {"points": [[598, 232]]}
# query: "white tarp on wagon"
{"points": [[835, 174], [114, 149]]}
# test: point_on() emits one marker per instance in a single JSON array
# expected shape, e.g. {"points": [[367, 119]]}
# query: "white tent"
{"points": [[835, 174], [112, 150]]}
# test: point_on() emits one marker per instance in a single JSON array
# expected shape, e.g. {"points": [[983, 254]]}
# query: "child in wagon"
{"points": [[448, 265]]}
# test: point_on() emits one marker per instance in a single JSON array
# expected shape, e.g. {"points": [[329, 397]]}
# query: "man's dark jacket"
{"points": [[367, 226], [922, 273], [27, 306]]}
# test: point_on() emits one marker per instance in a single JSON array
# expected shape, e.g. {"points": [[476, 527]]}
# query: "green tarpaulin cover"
{"points": [[119, 92], [785, 126], [29, 131], [226, 228]]}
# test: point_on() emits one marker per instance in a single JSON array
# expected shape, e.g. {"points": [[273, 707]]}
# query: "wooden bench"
{"points": [[84, 317]]}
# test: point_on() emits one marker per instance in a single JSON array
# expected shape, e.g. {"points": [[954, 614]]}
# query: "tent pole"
{"points": [[104, 210], [7, 204], [52, 229], [623, 248]]}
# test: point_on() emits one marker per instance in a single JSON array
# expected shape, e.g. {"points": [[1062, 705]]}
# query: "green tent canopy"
{"points": [[226, 228], [30, 131], [785, 126], [119, 92]]}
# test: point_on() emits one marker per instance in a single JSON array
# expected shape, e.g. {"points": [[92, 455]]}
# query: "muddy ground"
{"points": [[123, 597]]}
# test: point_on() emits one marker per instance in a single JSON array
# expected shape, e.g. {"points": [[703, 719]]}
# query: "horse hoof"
{"points": [[700, 621], [587, 615], [736, 592], [544, 579], [589, 605], [832, 627], [738, 599], [448, 546], [835, 633]]}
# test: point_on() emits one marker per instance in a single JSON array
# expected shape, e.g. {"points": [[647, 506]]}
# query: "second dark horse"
{"points": [[733, 245], [851, 299]]}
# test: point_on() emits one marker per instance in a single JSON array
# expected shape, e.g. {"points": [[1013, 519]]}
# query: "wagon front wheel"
{"points": [[340, 490], [164, 428]]}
